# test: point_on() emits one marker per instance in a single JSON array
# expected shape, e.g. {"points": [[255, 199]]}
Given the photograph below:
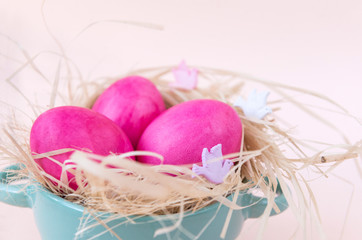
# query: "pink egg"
{"points": [[181, 132], [77, 128], [132, 102]]}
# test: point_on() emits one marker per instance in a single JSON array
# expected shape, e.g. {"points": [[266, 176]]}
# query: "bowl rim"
{"points": [[37, 188]]}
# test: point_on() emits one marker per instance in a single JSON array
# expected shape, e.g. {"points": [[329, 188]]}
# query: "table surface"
{"points": [[315, 45]]}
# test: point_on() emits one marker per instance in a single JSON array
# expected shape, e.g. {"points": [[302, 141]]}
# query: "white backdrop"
{"points": [[311, 44]]}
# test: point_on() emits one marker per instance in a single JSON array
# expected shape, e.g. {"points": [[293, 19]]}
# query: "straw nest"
{"points": [[269, 154]]}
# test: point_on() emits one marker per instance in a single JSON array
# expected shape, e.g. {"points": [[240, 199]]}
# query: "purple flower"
{"points": [[214, 168]]}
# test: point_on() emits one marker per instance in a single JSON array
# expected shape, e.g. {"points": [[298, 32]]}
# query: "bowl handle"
{"points": [[258, 204], [13, 194]]}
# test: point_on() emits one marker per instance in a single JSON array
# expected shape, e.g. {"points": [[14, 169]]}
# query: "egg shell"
{"points": [[181, 132], [132, 103], [77, 128]]}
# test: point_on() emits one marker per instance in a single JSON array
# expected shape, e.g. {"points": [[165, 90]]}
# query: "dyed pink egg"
{"points": [[132, 103], [181, 132], [77, 128]]}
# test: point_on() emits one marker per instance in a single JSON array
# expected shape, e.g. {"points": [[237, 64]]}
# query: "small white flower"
{"points": [[255, 106]]}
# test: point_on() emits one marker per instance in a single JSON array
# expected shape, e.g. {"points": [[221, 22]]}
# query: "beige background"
{"points": [[312, 44]]}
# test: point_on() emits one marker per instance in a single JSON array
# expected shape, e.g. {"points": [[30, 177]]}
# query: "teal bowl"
{"points": [[59, 219]]}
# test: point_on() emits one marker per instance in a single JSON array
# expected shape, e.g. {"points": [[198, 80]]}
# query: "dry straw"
{"points": [[138, 190]]}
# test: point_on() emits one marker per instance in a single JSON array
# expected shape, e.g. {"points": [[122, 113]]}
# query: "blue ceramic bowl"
{"points": [[58, 219]]}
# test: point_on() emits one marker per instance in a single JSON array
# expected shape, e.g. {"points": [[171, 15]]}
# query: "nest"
{"points": [[269, 154]]}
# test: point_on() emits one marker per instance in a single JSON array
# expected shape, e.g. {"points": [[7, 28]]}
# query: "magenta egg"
{"points": [[77, 128], [181, 132], [132, 103]]}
